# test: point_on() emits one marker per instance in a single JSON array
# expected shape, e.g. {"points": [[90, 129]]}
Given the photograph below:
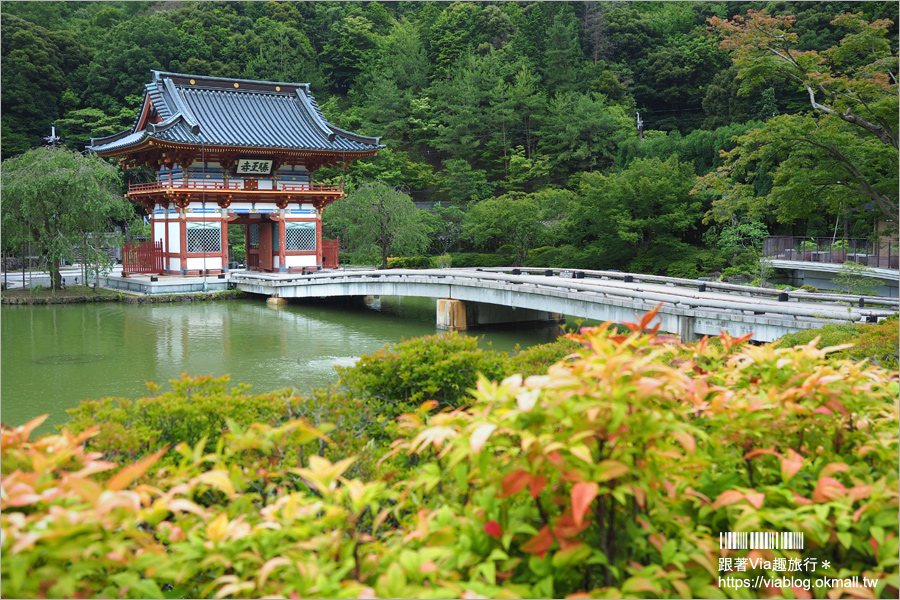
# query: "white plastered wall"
{"points": [[212, 262]]}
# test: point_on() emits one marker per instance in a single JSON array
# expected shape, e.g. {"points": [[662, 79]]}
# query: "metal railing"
{"points": [[882, 254]]}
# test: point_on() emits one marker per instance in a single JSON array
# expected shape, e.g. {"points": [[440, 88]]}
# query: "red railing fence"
{"points": [[330, 254], [143, 257]]}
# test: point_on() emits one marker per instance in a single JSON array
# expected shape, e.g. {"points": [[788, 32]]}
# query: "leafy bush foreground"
{"points": [[610, 475]]}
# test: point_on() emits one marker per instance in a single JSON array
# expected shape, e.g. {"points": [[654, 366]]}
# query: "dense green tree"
{"points": [[636, 208], [702, 147], [675, 76], [79, 126], [121, 67], [458, 30], [36, 65], [348, 48], [582, 131], [54, 199], [843, 155], [463, 183], [563, 56], [512, 219], [464, 106], [378, 220], [446, 226], [388, 87]]}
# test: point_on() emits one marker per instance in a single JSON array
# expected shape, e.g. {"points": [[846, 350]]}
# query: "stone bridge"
{"points": [[474, 297]]}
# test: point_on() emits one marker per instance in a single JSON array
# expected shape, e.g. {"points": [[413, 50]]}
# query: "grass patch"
{"points": [[70, 291]]}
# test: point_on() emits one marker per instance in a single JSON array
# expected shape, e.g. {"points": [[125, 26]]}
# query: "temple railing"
{"points": [[882, 254], [237, 186]]}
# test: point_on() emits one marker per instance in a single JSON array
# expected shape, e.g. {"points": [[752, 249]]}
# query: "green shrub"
{"points": [[470, 260], [438, 367], [686, 269], [444, 261], [409, 262], [611, 475], [809, 288], [196, 409], [877, 342], [536, 359]]}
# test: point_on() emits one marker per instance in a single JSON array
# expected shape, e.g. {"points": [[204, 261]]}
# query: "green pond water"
{"points": [[52, 357]]}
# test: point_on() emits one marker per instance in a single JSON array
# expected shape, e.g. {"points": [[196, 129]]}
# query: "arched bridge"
{"points": [[690, 308]]}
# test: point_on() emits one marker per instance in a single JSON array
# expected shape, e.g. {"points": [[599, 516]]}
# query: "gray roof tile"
{"points": [[255, 115]]}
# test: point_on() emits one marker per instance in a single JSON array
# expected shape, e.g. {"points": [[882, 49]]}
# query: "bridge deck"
{"points": [[689, 307]]}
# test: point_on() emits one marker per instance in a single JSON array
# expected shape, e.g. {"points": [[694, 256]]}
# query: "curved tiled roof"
{"points": [[239, 113]]}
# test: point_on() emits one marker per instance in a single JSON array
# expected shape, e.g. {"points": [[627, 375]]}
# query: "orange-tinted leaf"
{"points": [[480, 436], [565, 527], [271, 565], [860, 491], [791, 464], [640, 496], [610, 469], [686, 440], [640, 584], [25, 430], [536, 485], [127, 475], [727, 497], [837, 405], [582, 495], [828, 489], [218, 479], [760, 452], [514, 483], [832, 468], [755, 498], [540, 543]]}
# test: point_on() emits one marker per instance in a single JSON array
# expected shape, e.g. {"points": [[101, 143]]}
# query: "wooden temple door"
{"points": [[265, 247]]}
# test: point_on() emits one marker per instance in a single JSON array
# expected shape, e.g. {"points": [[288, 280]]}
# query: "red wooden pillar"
{"points": [[319, 249], [224, 243], [282, 246], [182, 234], [166, 262], [247, 246]]}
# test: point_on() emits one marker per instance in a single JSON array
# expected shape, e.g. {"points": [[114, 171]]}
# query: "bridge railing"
{"points": [[701, 286], [611, 285]]}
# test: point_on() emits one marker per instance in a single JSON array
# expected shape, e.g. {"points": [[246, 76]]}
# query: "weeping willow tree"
{"points": [[57, 200]]}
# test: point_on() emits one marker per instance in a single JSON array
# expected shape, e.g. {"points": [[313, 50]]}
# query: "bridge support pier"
{"points": [[686, 329], [456, 315]]}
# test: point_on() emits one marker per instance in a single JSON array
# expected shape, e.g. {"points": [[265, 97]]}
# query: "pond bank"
{"points": [[85, 295]]}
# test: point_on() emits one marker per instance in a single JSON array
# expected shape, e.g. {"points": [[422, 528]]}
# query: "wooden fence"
{"points": [[330, 254], [143, 257]]}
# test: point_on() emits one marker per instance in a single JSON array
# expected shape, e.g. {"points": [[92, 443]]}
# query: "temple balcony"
{"points": [[183, 192]]}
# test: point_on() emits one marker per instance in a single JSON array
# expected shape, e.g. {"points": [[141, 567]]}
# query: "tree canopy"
{"points": [[842, 154], [54, 198], [479, 100], [380, 220]]}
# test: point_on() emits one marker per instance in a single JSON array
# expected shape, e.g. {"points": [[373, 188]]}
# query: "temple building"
{"points": [[232, 151]]}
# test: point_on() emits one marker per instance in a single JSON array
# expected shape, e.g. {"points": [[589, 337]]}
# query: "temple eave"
{"points": [[152, 145]]}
